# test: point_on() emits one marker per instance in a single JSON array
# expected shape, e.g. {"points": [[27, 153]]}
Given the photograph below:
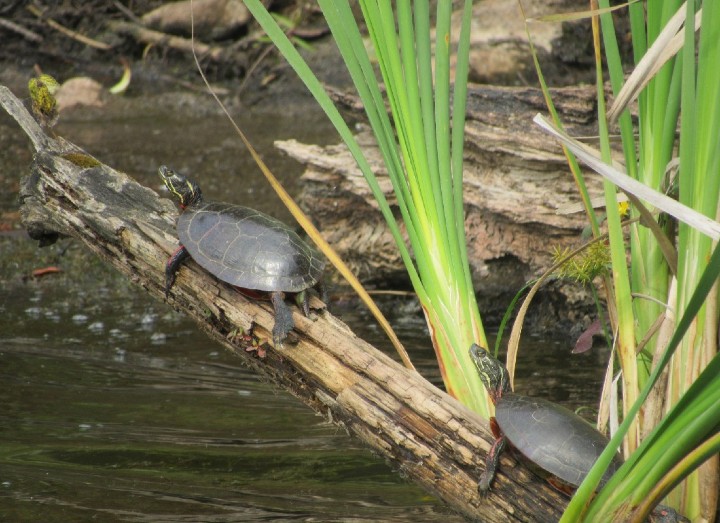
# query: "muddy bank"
{"points": [[95, 39], [92, 38]]}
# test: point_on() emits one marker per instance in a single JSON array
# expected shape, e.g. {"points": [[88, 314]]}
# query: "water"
{"points": [[115, 408]]}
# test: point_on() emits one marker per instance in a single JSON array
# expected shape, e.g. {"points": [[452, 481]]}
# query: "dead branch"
{"points": [[149, 36], [69, 32], [24, 32]]}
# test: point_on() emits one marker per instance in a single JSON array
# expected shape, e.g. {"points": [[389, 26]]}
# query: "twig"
{"points": [[69, 32], [254, 66], [149, 36], [33, 37], [124, 10]]}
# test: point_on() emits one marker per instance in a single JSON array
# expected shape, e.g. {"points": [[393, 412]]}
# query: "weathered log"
{"points": [[427, 436], [515, 181]]}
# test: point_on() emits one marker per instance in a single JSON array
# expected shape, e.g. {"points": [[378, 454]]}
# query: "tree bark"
{"points": [[427, 436], [516, 183]]}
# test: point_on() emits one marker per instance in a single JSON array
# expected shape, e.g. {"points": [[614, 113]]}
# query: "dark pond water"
{"points": [[115, 408]]}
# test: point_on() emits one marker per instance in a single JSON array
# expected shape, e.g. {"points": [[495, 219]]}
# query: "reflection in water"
{"points": [[100, 421], [96, 425]]}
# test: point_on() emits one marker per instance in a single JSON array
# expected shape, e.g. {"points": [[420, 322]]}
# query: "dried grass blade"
{"points": [[681, 212]]}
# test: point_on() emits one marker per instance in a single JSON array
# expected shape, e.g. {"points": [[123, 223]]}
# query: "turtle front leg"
{"points": [[172, 266], [491, 464], [283, 318]]}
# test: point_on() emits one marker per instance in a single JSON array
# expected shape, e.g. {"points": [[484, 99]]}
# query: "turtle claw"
{"points": [[322, 291], [302, 299], [283, 319], [279, 334], [169, 280], [484, 485]]}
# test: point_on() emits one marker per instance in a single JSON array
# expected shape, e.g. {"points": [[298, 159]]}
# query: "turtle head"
{"points": [[184, 190], [492, 373]]}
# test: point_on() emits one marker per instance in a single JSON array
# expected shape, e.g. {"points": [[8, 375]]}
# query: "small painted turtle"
{"points": [[243, 247], [553, 437]]}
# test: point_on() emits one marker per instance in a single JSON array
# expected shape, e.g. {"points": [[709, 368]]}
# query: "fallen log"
{"points": [[427, 436], [515, 180]]}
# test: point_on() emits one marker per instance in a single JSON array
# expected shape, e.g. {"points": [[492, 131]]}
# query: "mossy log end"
{"points": [[427, 436]]}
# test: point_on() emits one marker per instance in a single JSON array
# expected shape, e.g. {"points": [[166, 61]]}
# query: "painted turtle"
{"points": [[243, 247], [553, 437]]}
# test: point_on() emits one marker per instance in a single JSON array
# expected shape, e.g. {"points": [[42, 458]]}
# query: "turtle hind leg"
{"points": [[321, 288], [172, 266], [283, 318], [302, 299], [491, 464]]}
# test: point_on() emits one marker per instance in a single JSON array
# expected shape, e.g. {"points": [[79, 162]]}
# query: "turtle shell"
{"points": [[553, 437], [248, 248]]}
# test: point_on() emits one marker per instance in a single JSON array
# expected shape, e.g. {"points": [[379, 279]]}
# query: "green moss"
{"points": [[44, 104], [82, 160], [586, 265]]}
